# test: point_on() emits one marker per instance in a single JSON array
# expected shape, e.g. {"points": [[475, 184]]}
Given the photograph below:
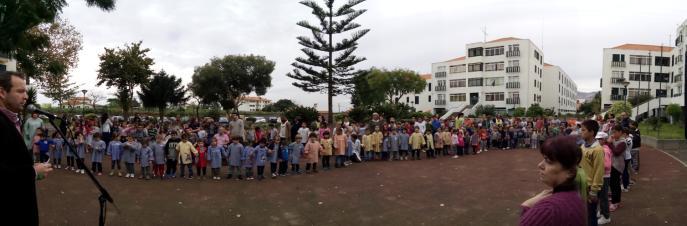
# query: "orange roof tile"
{"points": [[456, 59], [653, 48], [255, 99], [504, 39], [548, 65], [426, 76]]}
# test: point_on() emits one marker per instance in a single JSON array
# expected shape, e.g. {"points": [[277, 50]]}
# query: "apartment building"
{"points": [[560, 91], [507, 73], [7, 64]]}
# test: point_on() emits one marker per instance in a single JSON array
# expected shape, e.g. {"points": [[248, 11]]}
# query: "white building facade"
{"points": [[253, 103], [420, 101], [560, 91], [506, 73], [7, 64]]}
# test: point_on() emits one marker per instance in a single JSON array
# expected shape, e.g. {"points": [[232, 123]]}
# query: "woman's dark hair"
{"points": [[564, 150]]}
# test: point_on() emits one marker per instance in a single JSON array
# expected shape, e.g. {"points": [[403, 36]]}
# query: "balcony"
{"points": [[618, 64], [513, 100], [513, 85], [514, 53], [513, 69], [440, 102], [677, 78], [617, 97], [440, 88], [617, 80], [440, 74]]}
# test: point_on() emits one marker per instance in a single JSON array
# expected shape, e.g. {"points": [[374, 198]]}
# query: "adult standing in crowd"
{"points": [[236, 127], [561, 204], [16, 163], [30, 127], [106, 128], [285, 129], [375, 122]]}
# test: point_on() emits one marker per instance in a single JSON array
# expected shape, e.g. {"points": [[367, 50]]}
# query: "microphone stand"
{"points": [[104, 195]]}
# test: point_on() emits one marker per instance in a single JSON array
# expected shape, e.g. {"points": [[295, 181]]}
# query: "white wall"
{"points": [[560, 90]]}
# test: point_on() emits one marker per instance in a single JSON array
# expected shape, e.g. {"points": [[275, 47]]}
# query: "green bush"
{"points": [[398, 111], [619, 107], [306, 114], [534, 110], [485, 110], [654, 122], [674, 111], [360, 114], [519, 112]]}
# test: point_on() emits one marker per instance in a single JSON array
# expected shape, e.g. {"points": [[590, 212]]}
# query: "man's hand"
{"points": [[42, 168]]}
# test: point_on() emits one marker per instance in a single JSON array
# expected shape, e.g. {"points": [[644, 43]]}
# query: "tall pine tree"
{"points": [[321, 71]]}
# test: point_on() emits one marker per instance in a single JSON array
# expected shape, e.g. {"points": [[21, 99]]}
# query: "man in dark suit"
{"points": [[18, 192]]}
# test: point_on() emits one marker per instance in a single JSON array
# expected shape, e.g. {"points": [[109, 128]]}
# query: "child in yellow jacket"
{"points": [[416, 143]]}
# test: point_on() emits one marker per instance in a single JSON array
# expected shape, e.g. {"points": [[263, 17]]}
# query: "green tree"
{"points": [[225, 80], [363, 94], [327, 73], [396, 83], [163, 90], [619, 107], [55, 57], [59, 89], [125, 69], [280, 106], [306, 114], [519, 112], [675, 111], [534, 110], [640, 99], [18, 17], [485, 110]]}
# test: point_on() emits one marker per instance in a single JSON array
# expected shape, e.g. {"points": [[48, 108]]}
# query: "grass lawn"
{"points": [[668, 131]]}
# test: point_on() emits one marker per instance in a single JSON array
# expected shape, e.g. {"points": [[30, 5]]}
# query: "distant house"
{"points": [[253, 103], [79, 102]]}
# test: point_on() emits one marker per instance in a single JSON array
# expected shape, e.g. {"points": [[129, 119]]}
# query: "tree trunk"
{"points": [[161, 111], [330, 82]]}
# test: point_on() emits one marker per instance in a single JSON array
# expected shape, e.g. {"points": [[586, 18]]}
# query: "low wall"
{"points": [[666, 145]]}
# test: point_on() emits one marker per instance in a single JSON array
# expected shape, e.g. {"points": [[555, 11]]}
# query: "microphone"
{"points": [[32, 108]]}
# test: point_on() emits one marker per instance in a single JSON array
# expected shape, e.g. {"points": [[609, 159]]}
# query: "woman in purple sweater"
{"points": [[561, 204]]}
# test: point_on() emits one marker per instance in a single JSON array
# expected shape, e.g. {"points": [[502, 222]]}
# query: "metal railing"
{"points": [[440, 88], [513, 69], [617, 97], [677, 78], [513, 85], [617, 80], [512, 100], [440, 102], [440, 74], [618, 64], [513, 53]]}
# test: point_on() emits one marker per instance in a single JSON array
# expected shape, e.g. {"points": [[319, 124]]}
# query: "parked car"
{"points": [[260, 119]]}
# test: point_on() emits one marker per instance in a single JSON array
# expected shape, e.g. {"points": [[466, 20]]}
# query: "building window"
{"points": [[453, 83], [661, 77], [661, 93], [617, 74], [496, 66], [475, 82], [407, 99], [640, 76], [642, 60], [429, 86], [474, 67], [618, 57], [456, 68], [457, 97], [493, 81], [494, 96], [514, 47], [662, 61], [417, 99], [429, 98], [536, 55], [493, 51], [633, 92], [473, 52], [513, 63], [441, 68]]}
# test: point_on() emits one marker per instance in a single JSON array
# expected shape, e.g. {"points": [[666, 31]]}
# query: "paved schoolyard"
{"points": [[485, 189]]}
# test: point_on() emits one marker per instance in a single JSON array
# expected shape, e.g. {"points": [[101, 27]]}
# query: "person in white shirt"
{"points": [[304, 131]]}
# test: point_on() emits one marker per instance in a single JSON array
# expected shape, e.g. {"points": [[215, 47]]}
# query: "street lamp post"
{"points": [[82, 101], [625, 84]]}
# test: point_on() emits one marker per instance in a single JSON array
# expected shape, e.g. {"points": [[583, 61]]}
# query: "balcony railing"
{"points": [[617, 97], [440, 88], [618, 64], [677, 78], [513, 85], [440, 102], [513, 69], [514, 53], [440, 74], [513, 100], [617, 80]]}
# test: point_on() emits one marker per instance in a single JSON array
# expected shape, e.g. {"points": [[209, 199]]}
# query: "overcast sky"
{"points": [[405, 33]]}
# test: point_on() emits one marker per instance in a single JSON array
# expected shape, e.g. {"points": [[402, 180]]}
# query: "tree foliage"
{"points": [[18, 17], [225, 80], [281, 105], [162, 91], [55, 52], [485, 110], [305, 114], [321, 70], [59, 88], [363, 94], [640, 99], [519, 112], [534, 110], [395, 83], [125, 68], [674, 111], [619, 107]]}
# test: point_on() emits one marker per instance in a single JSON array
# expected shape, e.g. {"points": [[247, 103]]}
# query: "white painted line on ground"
{"points": [[672, 156]]}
